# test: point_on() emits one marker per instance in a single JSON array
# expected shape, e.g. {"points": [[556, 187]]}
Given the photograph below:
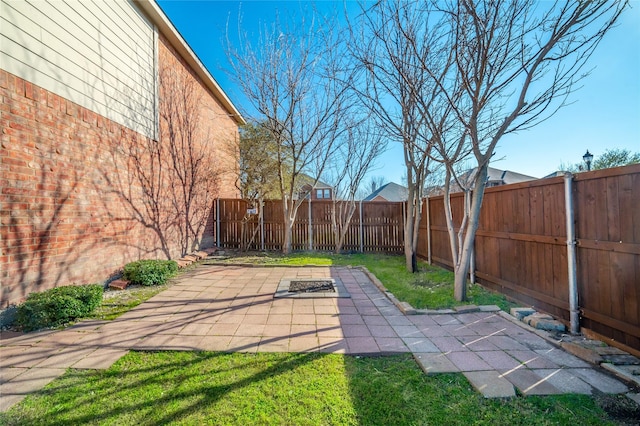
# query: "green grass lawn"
{"points": [[117, 302], [195, 388], [430, 288]]}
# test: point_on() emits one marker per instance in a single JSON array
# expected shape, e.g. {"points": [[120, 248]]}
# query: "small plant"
{"points": [[58, 306], [150, 272]]}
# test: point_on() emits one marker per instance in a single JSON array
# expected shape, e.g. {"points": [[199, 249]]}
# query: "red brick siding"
{"points": [[65, 176]]}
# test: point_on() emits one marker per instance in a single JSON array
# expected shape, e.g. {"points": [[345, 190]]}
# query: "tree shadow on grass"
{"points": [[167, 387]]}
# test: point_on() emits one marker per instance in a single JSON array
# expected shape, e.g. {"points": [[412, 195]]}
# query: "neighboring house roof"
{"points": [[506, 177], [498, 177], [166, 27], [554, 174], [304, 179], [389, 192]]}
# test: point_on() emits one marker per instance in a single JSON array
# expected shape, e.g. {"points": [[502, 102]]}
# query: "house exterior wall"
{"points": [[99, 55], [327, 194], [82, 194], [379, 198]]}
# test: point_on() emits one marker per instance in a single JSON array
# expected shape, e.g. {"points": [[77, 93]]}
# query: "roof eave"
{"points": [[157, 16]]}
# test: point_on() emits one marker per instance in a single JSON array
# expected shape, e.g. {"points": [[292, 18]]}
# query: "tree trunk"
{"points": [[286, 244], [409, 238], [461, 269], [290, 209]]}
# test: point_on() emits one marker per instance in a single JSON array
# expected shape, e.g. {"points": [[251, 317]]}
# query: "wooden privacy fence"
{"points": [[522, 247], [375, 227]]}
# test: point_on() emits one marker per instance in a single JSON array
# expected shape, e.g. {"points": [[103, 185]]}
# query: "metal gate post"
{"points": [[429, 261], [262, 224], [310, 227], [574, 314], [361, 229], [218, 222]]}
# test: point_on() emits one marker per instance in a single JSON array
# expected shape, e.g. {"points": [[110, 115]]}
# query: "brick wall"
{"points": [[82, 195]]}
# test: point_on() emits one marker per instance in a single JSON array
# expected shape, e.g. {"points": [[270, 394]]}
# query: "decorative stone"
{"points": [[182, 263], [489, 308], [466, 309], [621, 359], [520, 313], [544, 322], [608, 350], [201, 254], [407, 309], [119, 284], [586, 354]]}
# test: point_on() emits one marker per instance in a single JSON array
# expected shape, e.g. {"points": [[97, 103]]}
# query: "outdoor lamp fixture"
{"points": [[587, 159]]}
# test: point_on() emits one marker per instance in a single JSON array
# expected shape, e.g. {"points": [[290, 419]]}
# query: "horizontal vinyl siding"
{"points": [[98, 54]]}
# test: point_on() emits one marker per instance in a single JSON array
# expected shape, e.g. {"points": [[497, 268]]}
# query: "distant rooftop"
{"points": [[389, 192]]}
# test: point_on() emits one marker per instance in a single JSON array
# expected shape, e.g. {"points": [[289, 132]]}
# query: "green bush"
{"points": [[150, 272], [58, 306]]}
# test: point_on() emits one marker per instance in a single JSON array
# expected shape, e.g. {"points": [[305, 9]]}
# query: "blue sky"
{"points": [[605, 112]]}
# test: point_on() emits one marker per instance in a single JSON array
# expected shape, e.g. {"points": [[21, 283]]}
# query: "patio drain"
{"points": [[305, 288], [311, 286]]}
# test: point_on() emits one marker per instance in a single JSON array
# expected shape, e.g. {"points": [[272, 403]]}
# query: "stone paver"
{"points": [[31, 380], [432, 363], [564, 380], [529, 383], [232, 309], [600, 381], [491, 384]]}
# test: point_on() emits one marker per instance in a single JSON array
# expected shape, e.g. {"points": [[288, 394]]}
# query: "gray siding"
{"points": [[99, 54]]}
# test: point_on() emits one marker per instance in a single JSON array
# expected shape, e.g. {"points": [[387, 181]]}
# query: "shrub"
{"points": [[150, 272], [58, 306]]}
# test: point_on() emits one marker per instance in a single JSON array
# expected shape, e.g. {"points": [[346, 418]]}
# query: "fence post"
{"points": [[428, 233], [361, 230], [472, 255], [405, 206], [310, 227], [262, 224], [571, 255], [217, 222]]}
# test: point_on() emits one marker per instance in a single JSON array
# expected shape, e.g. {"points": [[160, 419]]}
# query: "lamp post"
{"points": [[587, 157]]}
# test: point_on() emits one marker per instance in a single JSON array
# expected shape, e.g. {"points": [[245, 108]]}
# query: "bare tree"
{"points": [[354, 158], [397, 42], [297, 81], [516, 61]]}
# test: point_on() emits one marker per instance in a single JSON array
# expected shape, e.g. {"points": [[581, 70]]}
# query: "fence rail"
{"points": [[375, 227]]}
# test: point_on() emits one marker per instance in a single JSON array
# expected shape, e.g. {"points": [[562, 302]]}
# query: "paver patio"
{"points": [[227, 308]]}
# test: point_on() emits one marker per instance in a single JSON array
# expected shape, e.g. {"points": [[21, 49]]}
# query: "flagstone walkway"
{"points": [[228, 308]]}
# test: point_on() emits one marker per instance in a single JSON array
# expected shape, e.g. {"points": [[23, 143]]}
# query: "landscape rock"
{"points": [[183, 262], [582, 352], [201, 254], [544, 322], [407, 309], [489, 308], [119, 284], [466, 309], [520, 313]]}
